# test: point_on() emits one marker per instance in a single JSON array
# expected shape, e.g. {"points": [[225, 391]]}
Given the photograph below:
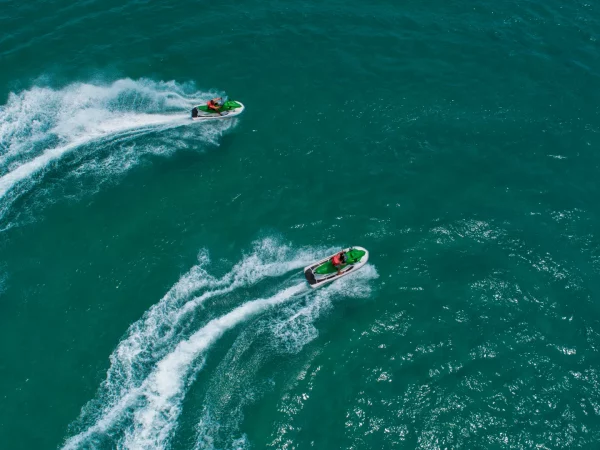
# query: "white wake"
{"points": [[40, 126], [148, 350], [139, 404]]}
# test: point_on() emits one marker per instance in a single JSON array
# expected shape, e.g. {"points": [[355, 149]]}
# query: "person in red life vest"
{"points": [[338, 261], [215, 105]]}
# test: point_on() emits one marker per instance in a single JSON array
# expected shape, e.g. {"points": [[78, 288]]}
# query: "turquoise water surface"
{"points": [[151, 286]]}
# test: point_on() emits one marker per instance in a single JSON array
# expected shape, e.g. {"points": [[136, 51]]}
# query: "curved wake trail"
{"points": [[239, 380], [40, 126], [150, 367], [162, 392], [146, 122], [165, 388], [153, 335]]}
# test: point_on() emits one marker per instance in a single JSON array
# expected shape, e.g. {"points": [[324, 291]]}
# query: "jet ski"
{"points": [[324, 271], [229, 108]]}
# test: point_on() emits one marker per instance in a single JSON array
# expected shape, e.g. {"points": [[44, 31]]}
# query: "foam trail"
{"points": [[41, 125], [154, 333], [160, 329], [163, 391], [26, 170], [166, 386]]}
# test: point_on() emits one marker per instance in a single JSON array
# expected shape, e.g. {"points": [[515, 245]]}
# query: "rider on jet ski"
{"points": [[215, 104], [338, 261]]}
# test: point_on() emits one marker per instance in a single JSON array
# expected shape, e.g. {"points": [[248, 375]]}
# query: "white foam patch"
{"points": [[295, 327], [39, 126], [157, 334]]}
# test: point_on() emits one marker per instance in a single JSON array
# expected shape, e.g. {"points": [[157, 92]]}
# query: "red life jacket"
{"points": [[211, 105], [336, 260]]}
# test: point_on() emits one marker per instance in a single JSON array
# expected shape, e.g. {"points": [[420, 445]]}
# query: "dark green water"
{"points": [[151, 288]]}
